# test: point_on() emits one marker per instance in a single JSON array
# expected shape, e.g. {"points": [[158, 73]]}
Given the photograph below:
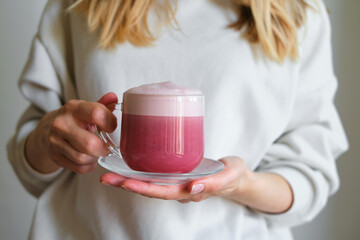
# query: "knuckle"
{"points": [[91, 144], [51, 139], [56, 125], [70, 105], [82, 158], [213, 187], [98, 114]]}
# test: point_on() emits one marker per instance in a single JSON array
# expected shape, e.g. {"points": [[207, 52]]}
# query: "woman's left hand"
{"points": [[232, 179]]}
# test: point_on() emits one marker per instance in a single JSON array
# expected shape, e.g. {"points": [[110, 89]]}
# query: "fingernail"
{"points": [[198, 188]]}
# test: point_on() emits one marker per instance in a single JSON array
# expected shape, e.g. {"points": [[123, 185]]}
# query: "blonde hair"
{"points": [[271, 23], [124, 20]]}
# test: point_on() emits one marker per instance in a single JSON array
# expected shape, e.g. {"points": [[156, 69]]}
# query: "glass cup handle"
{"points": [[106, 137]]}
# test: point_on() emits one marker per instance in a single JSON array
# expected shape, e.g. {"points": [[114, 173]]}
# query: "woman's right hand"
{"points": [[65, 137]]}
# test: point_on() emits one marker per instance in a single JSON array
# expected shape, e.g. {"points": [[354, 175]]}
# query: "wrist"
{"points": [[243, 187], [265, 192], [246, 183]]}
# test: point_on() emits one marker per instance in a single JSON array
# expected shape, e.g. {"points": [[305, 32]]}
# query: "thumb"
{"points": [[216, 182]]}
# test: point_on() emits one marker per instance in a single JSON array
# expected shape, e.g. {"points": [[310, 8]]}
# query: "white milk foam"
{"points": [[163, 99], [163, 88]]}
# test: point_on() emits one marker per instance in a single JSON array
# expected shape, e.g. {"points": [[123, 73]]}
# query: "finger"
{"points": [[108, 98], [112, 178], [97, 114], [86, 142], [184, 201], [217, 183], [81, 139], [64, 162], [62, 146], [166, 192]]}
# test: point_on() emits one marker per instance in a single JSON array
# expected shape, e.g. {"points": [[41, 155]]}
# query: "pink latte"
{"points": [[162, 144], [162, 128]]}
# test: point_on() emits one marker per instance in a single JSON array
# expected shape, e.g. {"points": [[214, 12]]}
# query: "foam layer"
{"points": [[163, 99], [163, 88]]}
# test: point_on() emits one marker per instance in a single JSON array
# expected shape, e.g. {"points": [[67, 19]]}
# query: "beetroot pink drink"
{"points": [[162, 144], [162, 128]]}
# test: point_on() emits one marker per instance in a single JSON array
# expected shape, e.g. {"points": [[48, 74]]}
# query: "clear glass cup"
{"points": [[162, 130]]}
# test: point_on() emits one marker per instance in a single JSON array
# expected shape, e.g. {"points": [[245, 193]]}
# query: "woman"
{"points": [[265, 69]]}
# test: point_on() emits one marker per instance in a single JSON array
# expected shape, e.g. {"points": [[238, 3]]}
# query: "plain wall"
{"points": [[18, 23], [339, 220]]}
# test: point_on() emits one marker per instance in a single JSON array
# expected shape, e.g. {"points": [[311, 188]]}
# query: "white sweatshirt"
{"points": [[278, 118]]}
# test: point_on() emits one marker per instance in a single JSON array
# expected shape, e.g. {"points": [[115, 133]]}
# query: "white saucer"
{"points": [[117, 165]]}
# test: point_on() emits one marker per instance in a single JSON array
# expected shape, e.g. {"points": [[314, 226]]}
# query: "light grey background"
{"points": [[340, 219]]}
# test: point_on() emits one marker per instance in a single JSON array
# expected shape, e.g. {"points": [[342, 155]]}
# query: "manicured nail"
{"points": [[198, 188]]}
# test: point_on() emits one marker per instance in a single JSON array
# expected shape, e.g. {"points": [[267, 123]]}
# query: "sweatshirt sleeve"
{"points": [[46, 83], [305, 153]]}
